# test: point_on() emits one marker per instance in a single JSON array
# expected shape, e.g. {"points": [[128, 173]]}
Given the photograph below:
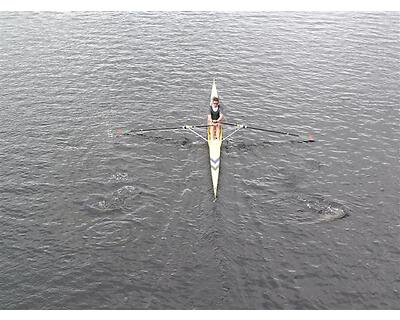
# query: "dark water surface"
{"points": [[92, 220]]}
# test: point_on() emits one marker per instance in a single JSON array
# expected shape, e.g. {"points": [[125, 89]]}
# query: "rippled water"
{"points": [[93, 220]]}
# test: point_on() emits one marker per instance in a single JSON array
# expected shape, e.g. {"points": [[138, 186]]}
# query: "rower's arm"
{"points": [[221, 117]]}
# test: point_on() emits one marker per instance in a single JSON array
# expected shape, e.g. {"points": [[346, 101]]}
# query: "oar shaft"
{"points": [[260, 129], [164, 129], [273, 131], [155, 129]]}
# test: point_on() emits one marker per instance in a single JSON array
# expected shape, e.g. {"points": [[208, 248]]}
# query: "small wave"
{"points": [[120, 201], [319, 210], [110, 233], [119, 176], [331, 213]]}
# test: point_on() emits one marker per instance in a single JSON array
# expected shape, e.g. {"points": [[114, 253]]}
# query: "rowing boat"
{"points": [[214, 146]]}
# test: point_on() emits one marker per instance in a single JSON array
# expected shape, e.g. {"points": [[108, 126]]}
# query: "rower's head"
{"points": [[215, 101]]}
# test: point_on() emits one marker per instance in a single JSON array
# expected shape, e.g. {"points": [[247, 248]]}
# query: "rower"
{"points": [[215, 118]]}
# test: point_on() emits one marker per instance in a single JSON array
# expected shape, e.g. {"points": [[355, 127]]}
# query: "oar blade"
{"points": [[310, 137], [121, 132]]}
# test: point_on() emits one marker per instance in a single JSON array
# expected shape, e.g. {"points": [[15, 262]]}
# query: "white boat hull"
{"points": [[214, 146]]}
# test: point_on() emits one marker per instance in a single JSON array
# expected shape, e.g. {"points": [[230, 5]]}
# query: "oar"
{"points": [[128, 132], [244, 126], [134, 131]]}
